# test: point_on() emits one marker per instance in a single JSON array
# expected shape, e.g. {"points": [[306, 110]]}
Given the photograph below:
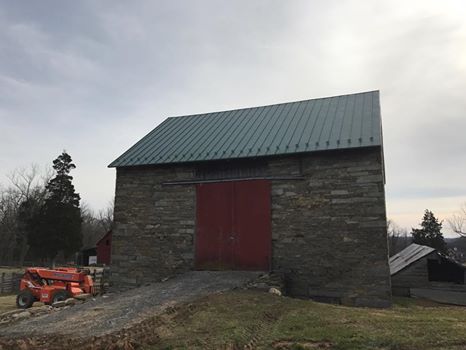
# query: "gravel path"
{"points": [[120, 310]]}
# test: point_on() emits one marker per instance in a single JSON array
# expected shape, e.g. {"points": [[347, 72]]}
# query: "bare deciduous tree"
{"points": [[8, 227], [458, 221], [24, 184], [398, 238], [105, 217], [95, 224]]}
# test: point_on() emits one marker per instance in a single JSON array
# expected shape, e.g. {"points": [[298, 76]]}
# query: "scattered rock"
{"points": [[83, 296], [10, 313], [40, 309], [59, 304], [70, 301], [275, 291], [22, 314], [269, 281]]}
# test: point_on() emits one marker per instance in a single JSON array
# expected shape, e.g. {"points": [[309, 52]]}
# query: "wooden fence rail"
{"points": [[101, 278], [9, 282]]}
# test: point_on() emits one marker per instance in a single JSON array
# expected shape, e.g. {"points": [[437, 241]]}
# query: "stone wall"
{"points": [[329, 231], [154, 225], [328, 227]]}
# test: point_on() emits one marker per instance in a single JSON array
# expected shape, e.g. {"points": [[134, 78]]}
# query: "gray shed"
{"points": [[422, 271]]}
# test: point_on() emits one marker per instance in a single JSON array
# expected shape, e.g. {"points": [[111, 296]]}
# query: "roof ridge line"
{"points": [[270, 105]]}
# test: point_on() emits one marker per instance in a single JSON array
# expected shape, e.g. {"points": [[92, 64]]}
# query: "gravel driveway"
{"points": [[120, 310]]}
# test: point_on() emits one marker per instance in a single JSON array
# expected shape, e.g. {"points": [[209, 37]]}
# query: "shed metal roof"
{"points": [[407, 256], [339, 122]]}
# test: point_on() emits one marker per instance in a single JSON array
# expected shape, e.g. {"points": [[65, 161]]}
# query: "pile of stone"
{"points": [[272, 282], [20, 314]]}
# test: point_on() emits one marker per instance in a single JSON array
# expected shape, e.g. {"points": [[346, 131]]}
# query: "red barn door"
{"points": [[214, 226], [233, 225]]}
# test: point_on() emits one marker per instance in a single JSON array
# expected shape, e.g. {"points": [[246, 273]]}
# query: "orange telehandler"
{"points": [[52, 285]]}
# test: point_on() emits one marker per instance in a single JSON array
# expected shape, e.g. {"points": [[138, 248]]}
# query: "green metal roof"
{"points": [[330, 123]]}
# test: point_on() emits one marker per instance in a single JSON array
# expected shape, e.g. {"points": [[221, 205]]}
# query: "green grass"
{"points": [[264, 321], [7, 303], [258, 320]]}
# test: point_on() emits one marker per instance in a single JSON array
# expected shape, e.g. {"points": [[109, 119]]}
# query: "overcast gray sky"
{"points": [[93, 77]]}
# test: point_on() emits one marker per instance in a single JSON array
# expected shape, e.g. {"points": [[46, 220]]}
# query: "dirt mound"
{"points": [[143, 334], [107, 315], [121, 320]]}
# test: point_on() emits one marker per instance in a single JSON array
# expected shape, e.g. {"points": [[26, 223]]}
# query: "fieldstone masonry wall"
{"points": [[154, 225], [329, 231], [328, 228]]}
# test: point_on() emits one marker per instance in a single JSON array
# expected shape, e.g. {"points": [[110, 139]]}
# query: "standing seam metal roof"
{"points": [[339, 122]]}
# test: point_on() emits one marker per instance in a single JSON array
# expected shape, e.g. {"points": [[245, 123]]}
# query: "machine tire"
{"points": [[25, 299], [60, 295]]}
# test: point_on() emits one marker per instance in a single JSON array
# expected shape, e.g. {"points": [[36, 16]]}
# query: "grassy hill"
{"points": [[255, 320], [247, 319]]}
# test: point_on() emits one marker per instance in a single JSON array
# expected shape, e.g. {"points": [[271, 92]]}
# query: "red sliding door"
{"points": [[233, 225]]}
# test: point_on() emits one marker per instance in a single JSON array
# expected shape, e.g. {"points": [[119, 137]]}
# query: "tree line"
{"points": [[42, 218]]}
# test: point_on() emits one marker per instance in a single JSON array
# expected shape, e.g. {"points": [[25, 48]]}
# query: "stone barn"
{"points": [[296, 188]]}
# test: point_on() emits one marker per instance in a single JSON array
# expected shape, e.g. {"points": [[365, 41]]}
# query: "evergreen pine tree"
{"points": [[28, 212], [431, 233], [57, 224]]}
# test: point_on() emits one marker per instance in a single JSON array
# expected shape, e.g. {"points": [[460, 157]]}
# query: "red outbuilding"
{"points": [[104, 249]]}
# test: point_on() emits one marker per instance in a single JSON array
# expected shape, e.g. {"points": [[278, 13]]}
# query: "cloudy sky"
{"points": [[93, 77]]}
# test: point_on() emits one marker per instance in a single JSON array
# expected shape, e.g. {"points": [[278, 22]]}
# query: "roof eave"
{"points": [[196, 161]]}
